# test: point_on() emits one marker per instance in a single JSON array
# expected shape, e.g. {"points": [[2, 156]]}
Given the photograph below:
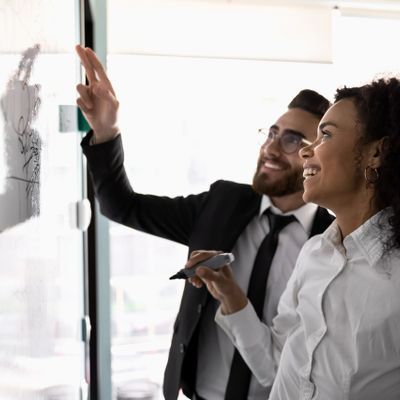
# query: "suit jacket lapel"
{"points": [[321, 221]]}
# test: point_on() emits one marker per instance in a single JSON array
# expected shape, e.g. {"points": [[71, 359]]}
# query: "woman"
{"points": [[337, 332]]}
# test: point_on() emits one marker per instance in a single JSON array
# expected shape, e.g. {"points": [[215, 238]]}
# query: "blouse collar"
{"points": [[368, 238]]}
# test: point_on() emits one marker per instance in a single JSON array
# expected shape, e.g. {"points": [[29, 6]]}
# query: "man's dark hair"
{"points": [[311, 101]]}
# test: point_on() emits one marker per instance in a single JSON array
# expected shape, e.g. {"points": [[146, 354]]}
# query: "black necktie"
{"points": [[240, 374]]}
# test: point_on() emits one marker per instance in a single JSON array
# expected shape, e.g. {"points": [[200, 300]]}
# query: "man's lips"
{"points": [[272, 165]]}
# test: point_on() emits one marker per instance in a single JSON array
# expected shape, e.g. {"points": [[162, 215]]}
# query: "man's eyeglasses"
{"points": [[289, 142]]}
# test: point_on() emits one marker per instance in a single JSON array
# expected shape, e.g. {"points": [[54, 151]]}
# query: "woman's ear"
{"points": [[376, 151]]}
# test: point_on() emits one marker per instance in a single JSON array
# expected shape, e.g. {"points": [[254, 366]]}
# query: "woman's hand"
{"points": [[97, 99], [221, 283]]}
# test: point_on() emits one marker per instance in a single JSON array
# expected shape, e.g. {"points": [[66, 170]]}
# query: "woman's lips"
{"points": [[310, 171]]}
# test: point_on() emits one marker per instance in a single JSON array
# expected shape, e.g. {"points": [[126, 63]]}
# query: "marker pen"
{"points": [[214, 262]]}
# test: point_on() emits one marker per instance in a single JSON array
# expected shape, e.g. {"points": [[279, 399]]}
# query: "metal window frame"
{"points": [[94, 35]]}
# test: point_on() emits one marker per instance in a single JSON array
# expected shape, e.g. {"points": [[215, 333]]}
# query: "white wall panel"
{"points": [[223, 30]]}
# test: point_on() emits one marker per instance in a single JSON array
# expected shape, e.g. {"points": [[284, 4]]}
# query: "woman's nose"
{"points": [[306, 151]]}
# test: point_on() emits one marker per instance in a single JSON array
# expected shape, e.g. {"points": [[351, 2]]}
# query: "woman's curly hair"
{"points": [[378, 108]]}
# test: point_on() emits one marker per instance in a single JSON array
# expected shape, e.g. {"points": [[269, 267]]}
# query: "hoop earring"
{"points": [[371, 175]]}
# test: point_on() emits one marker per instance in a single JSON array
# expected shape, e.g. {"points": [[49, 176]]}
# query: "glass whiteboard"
{"points": [[41, 250]]}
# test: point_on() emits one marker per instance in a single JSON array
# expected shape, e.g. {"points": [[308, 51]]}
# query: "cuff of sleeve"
{"points": [[105, 156], [87, 141], [236, 326]]}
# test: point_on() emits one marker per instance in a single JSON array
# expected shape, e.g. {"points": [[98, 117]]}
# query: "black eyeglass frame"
{"points": [[270, 136]]}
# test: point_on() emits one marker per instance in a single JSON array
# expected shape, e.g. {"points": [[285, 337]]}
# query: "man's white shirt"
{"points": [[215, 348]]}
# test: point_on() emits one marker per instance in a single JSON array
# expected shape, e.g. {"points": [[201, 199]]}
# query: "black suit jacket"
{"points": [[210, 220]]}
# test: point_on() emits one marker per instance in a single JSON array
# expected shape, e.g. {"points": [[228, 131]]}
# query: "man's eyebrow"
{"points": [[325, 124], [294, 132]]}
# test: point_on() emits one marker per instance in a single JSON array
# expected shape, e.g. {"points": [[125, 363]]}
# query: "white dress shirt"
{"points": [[215, 348], [337, 332]]}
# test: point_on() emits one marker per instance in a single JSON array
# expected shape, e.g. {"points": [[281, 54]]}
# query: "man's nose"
{"points": [[271, 147]]}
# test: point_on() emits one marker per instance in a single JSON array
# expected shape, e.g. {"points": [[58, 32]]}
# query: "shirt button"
{"points": [[308, 390], [199, 307], [181, 348]]}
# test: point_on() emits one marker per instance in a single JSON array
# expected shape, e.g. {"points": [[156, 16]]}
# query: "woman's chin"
{"points": [[308, 196]]}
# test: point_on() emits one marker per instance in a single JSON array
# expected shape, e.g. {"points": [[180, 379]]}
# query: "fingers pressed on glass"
{"points": [[96, 64], [86, 64], [98, 68]]}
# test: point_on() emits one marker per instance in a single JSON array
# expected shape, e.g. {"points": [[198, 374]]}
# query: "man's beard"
{"points": [[291, 183]]}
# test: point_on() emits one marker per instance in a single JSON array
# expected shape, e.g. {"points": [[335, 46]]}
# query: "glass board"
{"points": [[41, 250]]}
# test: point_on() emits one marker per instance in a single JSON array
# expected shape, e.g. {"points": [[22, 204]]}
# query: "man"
{"points": [[228, 217]]}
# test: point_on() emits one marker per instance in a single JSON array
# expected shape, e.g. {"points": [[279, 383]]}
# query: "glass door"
{"points": [[42, 215]]}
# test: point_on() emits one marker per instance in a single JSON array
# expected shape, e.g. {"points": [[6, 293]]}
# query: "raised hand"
{"points": [[221, 284], [97, 100]]}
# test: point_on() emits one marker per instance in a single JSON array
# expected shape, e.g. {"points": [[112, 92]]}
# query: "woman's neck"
{"points": [[349, 220]]}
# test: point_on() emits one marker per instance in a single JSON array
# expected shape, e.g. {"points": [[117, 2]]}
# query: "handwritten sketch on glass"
{"points": [[20, 105]]}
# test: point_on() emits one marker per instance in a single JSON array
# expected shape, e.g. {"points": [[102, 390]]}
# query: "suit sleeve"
{"points": [[169, 218]]}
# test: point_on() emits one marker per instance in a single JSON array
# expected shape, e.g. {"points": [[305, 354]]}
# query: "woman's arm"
{"points": [[260, 345]]}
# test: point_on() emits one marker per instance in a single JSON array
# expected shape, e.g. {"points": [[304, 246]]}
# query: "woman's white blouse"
{"points": [[337, 332]]}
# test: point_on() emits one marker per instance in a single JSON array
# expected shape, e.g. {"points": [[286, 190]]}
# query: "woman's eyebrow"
{"points": [[325, 124]]}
